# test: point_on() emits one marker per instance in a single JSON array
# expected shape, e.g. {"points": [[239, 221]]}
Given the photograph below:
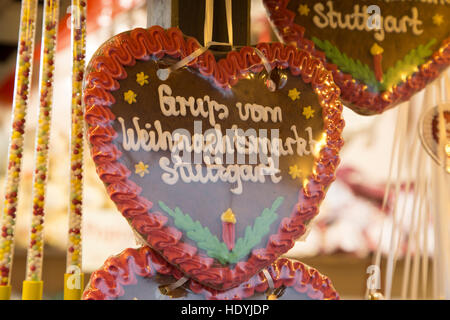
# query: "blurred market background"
{"points": [[340, 244]]}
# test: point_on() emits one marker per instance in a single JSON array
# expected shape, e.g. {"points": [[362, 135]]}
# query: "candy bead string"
{"points": [[23, 77], [35, 249], [77, 134]]}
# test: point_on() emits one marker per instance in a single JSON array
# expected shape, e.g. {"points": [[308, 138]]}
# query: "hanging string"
{"points": [[416, 237], [426, 225], [420, 222], [437, 283], [441, 260], [269, 83], [177, 283], [271, 294], [403, 115], [413, 164], [430, 196], [229, 15], [442, 185], [208, 26], [412, 148], [377, 257], [413, 227], [163, 74], [269, 279]]}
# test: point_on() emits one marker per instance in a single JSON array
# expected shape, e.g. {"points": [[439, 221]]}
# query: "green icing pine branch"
{"points": [[393, 76], [216, 249], [197, 233], [408, 65], [254, 235], [355, 68]]}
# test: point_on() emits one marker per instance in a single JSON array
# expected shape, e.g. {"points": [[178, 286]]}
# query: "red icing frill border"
{"points": [[123, 270], [355, 94], [103, 73]]}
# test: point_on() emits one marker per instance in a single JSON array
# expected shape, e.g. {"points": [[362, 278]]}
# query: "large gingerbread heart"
{"points": [[222, 203], [141, 274], [381, 52], [429, 133]]}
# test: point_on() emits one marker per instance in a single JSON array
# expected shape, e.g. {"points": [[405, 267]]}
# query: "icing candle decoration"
{"points": [[377, 53], [352, 37], [35, 249], [142, 274], [228, 228], [175, 154], [21, 97], [77, 131]]}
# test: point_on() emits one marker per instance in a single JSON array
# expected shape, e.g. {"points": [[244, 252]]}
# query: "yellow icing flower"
{"points": [[295, 172], [303, 9], [294, 94], [141, 169], [141, 78], [129, 96], [308, 112], [438, 19]]}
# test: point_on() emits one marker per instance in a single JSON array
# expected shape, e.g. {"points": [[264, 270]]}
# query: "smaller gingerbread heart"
{"points": [[380, 52], [142, 274], [429, 133]]}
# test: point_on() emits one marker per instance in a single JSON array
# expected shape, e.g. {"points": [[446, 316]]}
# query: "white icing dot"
{"points": [[163, 74]]}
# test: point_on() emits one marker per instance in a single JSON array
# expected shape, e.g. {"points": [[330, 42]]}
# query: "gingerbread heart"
{"points": [[380, 53], [429, 133], [215, 171], [142, 274]]}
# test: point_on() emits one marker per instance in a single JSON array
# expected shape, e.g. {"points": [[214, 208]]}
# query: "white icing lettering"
{"points": [[359, 19]]}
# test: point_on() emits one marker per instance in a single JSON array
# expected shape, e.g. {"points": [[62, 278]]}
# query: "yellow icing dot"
{"points": [[228, 216], [376, 49], [129, 96]]}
